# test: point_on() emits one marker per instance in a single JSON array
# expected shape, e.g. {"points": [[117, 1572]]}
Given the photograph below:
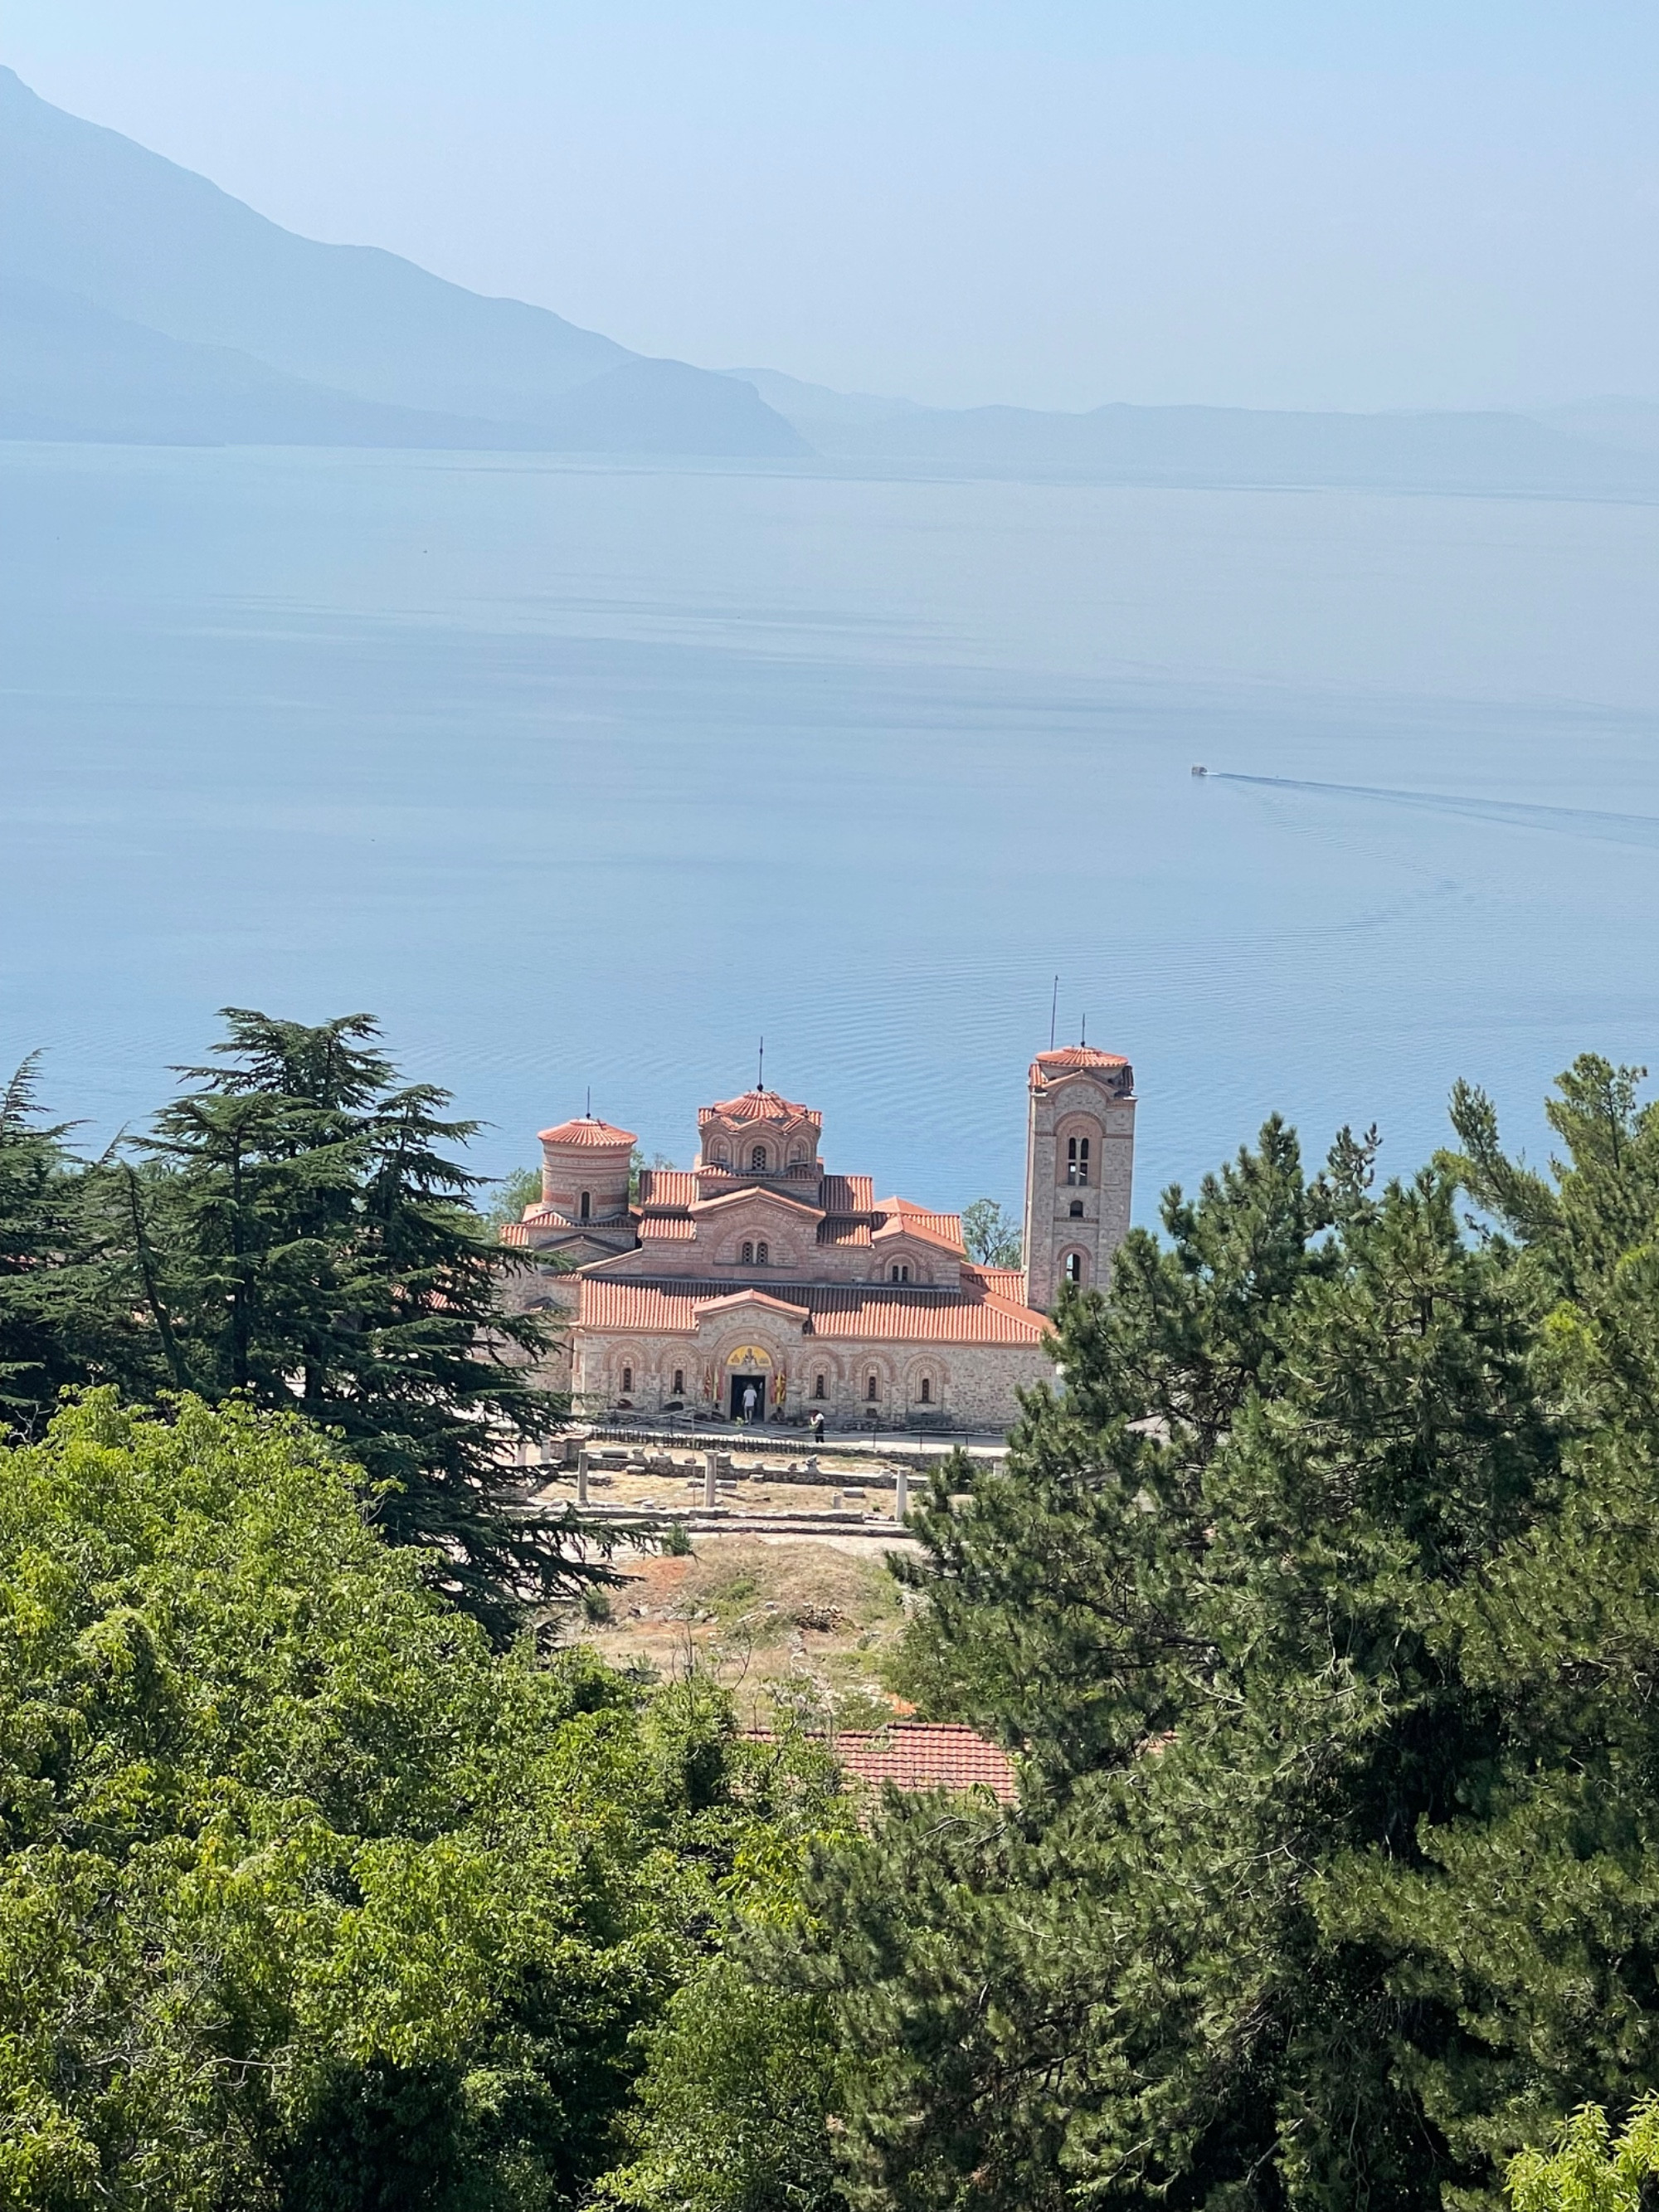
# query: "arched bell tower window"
{"points": [[758, 1159], [748, 1252], [587, 1199], [1077, 1159], [1074, 1268], [1075, 1209]]}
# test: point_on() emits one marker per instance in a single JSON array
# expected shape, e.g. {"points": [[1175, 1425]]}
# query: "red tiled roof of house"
{"points": [[588, 1130], [928, 1756], [875, 1312], [758, 1105]]}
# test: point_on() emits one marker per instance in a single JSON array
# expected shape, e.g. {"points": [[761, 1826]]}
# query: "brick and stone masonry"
{"points": [[757, 1280]]}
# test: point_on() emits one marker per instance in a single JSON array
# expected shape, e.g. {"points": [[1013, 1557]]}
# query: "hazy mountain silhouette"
{"points": [[1440, 452], [89, 215]]}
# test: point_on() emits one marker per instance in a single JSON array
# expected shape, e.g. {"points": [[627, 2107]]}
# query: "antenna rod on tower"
{"points": [[1083, 1039], [1053, 1013], [590, 1101], [759, 1079]]}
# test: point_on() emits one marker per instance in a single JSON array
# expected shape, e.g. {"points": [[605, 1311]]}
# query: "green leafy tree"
{"points": [[1588, 2171], [1322, 1611], [511, 1195], [299, 1230], [307, 1898], [991, 1235]]}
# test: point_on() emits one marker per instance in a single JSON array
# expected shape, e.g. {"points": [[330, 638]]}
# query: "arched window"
{"points": [[748, 1252], [762, 1253], [722, 1158], [1075, 1268], [900, 1274], [628, 1381], [679, 1383], [1077, 1159], [758, 1159], [821, 1386], [872, 1390], [586, 1200], [1077, 1209], [926, 1392]]}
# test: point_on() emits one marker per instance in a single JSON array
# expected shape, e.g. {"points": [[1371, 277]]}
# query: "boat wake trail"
{"points": [[1563, 821]]}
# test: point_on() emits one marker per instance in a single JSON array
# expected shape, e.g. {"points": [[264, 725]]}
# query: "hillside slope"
{"points": [[87, 213]]}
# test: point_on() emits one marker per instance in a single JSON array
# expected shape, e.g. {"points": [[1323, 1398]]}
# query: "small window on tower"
{"points": [[748, 1253], [926, 1391], [872, 1390], [679, 1382], [820, 1385], [1075, 1268], [587, 1204], [758, 1159], [1077, 1159], [762, 1253], [1077, 1209]]}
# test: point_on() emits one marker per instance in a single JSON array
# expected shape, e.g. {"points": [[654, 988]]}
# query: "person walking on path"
{"points": [[817, 1430]]}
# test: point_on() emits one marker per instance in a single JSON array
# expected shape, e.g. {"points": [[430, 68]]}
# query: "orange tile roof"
{"points": [[865, 1312], [1001, 1282], [919, 1221], [928, 1755], [667, 1227], [840, 1230], [757, 1106], [588, 1130], [1070, 1057], [840, 1193], [667, 1187]]}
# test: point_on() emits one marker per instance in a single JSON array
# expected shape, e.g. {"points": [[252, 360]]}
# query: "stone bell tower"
{"points": [[1079, 1168]]}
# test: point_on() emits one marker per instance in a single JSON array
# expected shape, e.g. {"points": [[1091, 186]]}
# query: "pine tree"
{"points": [[1323, 1609], [299, 1231]]}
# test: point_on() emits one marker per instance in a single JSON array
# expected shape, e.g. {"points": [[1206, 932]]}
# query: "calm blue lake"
{"points": [[586, 776]]}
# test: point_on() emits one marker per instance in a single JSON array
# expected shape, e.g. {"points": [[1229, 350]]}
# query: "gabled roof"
{"points": [[588, 1130], [758, 1105], [667, 1227], [736, 1299], [904, 1218], [765, 1193], [874, 1313]]}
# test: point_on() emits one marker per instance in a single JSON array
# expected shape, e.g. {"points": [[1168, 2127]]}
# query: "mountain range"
{"points": [[139, 303]]}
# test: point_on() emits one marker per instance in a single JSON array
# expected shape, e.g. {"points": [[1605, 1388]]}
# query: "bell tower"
{"points": [[1079, 1168]]}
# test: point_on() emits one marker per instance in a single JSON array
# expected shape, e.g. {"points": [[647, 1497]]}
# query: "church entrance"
{"points": [[741, 1386]]}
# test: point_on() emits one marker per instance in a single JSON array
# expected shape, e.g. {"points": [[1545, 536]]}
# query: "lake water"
{"points": [[586, 776]]}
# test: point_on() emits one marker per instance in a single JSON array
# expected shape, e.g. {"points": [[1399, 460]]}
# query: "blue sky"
{"points": [[1053, 204]]}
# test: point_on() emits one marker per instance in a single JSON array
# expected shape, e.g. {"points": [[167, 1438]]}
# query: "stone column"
{"points": [[901, 1492], [711, 1492], [581, 1476]]}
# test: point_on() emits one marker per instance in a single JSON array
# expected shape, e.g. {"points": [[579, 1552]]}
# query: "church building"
{"points": [[757, 1283]]}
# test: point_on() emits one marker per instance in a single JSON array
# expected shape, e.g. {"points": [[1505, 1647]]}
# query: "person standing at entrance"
{"points": [[817, 1428], [750, 1402]]}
